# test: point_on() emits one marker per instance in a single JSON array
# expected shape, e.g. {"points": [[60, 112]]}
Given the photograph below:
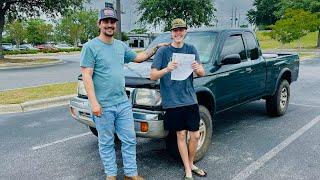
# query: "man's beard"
{"points": [[107, 34]]}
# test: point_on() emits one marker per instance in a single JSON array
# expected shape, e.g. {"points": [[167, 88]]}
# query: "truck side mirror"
{"points": [[231, 59]]}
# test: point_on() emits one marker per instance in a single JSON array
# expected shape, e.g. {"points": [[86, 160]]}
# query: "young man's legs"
{"points": [[193, 144], [183, 150]]}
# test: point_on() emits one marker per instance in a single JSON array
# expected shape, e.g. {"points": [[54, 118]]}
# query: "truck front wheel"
{"points": [[205, 129], [277, 104]]}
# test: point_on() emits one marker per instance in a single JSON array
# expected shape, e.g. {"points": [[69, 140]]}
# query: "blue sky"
{"points": [[224, 10]]}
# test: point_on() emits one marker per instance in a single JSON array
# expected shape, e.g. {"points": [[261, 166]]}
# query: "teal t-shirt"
{"points": [[107, 61]]}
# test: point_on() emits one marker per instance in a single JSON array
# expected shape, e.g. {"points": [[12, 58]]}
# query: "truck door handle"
{"points": [[249, 70]]}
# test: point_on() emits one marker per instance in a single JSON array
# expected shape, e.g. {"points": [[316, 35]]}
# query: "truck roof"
{"points": [[218, 30]]}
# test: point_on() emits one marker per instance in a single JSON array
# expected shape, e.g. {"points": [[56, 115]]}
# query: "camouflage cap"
{"points": [[178, 23]]}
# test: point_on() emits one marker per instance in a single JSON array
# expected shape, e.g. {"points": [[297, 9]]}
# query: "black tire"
{"points": [[171, 139], [277, 104], [95, 132]]}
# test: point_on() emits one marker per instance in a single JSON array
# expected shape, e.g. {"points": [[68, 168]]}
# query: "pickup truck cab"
{"points": [[236, 73]]}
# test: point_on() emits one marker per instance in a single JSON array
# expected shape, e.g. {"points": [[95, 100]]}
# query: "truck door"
{"points": [[257, 82], [231, 81]]}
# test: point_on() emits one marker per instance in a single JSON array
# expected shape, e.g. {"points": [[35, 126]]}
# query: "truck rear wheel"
{"points": [[277, 104], [205, 129]]}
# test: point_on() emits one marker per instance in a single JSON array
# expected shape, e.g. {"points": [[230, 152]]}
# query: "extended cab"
{"points": [[236, 73]]}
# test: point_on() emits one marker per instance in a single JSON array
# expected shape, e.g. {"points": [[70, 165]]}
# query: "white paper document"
{"points": [[184, 68]]}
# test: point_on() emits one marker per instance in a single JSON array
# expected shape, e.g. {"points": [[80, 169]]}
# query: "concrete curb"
{"points": [[32, 65], [36, 105]]}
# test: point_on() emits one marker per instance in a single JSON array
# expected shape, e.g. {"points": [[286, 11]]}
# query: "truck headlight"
{"points": [[147, 97], [81, 90]]}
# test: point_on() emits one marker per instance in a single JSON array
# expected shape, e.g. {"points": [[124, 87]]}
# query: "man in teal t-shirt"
{"points": [[102, 61]]}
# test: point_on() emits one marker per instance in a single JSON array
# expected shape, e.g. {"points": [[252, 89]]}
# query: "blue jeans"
{"points": [[117, 119]]}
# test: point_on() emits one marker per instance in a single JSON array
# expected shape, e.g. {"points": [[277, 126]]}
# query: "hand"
{"points": [[96, 109], [195, 66], [172, 66]]}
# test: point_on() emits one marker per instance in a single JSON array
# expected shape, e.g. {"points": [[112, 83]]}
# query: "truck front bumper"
{"points": [[147, 123]]}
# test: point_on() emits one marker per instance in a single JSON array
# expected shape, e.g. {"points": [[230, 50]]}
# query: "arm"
{"points": [[88, 84], [142, 56], [156, 74], [196, 65], [198, 69]]}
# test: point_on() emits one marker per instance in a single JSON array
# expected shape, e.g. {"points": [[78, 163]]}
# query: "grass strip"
{"points": [[18, 96]]}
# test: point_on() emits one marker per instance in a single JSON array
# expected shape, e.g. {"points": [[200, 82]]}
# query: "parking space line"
{"points": [[305, 105], [244, 174], [59, 141]]}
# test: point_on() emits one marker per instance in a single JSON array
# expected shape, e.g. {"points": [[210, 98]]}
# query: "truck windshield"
{"points": [[203, 41]]}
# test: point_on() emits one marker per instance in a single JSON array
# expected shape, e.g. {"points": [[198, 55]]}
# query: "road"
{"points": [[247, 144], [27, 77]]}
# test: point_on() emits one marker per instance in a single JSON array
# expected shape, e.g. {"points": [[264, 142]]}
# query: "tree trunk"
{"points": [[2, 19], [118, 8], [318, 45]]}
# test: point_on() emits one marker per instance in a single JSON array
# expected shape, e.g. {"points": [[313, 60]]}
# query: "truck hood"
{"points": [[141, 70], [137, 75]]}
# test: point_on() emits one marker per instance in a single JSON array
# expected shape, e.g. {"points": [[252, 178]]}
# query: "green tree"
{"points": [[13, 9], [195, 13], [16, 30], [81, 25], [263, 15], [88, 19], [294, 24], [121, 36], [38, 32], [139, 31], [251, 16], [69, 30], [307, 5]]}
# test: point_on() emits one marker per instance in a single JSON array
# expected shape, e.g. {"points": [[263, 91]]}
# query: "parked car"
{"points": [[236, 73], [26, 47], [46, 47], [63, 46], [8, 47]]}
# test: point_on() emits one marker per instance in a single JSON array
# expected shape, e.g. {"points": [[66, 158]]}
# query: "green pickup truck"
{"points": [[236, 73]]}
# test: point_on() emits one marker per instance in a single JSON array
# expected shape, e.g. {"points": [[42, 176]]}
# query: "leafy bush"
{"points": [[41, 51], [20, 52]]}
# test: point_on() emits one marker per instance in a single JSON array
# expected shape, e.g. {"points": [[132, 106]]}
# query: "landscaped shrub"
{"points": [[40, 51]]}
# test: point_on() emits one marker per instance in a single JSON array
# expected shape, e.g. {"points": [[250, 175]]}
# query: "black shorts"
{"points": [[182, 118]]}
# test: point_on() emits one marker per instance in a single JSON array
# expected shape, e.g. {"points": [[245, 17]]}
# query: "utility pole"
{"points": [[239, 20], [118, 9], [235, 17], [232, 17]]}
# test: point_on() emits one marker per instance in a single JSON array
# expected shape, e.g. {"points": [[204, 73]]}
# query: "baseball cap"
{"points": [[107, 13], [178, 23]]}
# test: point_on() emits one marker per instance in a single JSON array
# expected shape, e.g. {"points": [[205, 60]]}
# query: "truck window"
{"points": [[202, 41], [252, 46], [234, 45]]}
